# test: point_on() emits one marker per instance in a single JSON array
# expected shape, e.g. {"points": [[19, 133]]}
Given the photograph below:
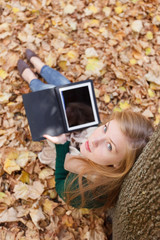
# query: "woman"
{"points": [[93, 178]]}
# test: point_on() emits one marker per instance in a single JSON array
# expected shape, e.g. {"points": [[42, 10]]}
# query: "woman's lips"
{"points": [[87, 146]]}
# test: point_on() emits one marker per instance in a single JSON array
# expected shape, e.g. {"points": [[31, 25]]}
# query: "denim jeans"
{"points": [[51, 76]]}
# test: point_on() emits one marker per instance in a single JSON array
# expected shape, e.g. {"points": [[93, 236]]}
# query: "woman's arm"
{"points": [[60, 172]]}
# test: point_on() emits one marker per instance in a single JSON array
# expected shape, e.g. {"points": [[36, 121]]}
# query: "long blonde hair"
{"points": [[107, 179]]}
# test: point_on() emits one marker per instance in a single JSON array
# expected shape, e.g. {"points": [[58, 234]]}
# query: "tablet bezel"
{"points": [[89, 84]]}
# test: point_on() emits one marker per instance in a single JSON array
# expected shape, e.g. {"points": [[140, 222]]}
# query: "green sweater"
{"points": [[63, 178]]}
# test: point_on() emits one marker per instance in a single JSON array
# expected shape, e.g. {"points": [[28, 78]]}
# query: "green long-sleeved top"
{"points": [[63, 178]]}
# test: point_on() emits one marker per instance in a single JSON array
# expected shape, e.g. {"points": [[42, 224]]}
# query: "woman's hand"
{"points": [[61, 139]]}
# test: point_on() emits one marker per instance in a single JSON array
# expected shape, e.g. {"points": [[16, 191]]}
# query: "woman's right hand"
{"points": [[61, 139]]}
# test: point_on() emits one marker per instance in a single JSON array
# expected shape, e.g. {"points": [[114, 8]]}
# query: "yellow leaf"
{"points": [[138, 101], [149, 35], [94, 22], [54, 22], [2, 195], [68, 220], [63, 65], [151, 93], [11, 166], [12, 155], [39, 35], [48, 206], [106, 98], [134, 1], [15, 10], [45, 173], [123, 89], [35, 11], [24, 177], [148, 51], [94, 66], [3, 74], [4, 97], [117, 109], [72, 55], [93, 9], [84, 211], [124, 104], [133, 61], [158, 18], [118, 10], [157, 120], [52, 193], [50, 59], [51, 182]]}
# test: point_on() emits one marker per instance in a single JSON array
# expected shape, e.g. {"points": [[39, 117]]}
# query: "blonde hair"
{"points": [[107, 180]]}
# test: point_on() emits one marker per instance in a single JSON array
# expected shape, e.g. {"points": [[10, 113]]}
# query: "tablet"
{"points": [[61, 109]]}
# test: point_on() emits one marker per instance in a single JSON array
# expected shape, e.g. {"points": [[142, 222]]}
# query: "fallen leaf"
{"points": [[69, 9], [36, 216], [136, 26], [3, 74], [151, 77], [45, 173], [48, 206], [9, 215]]}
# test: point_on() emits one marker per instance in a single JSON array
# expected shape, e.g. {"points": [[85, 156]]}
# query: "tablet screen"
{"points": [[78, 104]]}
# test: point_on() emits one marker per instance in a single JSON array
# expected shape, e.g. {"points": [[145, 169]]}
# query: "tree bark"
{"points": [[136, 215]]}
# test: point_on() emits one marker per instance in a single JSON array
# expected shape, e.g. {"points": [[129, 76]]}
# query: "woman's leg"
{"points": [[37, 85], [34, 83], [50, 75]]}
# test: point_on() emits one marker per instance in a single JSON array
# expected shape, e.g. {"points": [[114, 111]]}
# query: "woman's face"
{"points": [[106, 146]]}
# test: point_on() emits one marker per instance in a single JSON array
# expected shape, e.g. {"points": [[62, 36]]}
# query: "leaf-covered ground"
{"points": [[115, 43]]}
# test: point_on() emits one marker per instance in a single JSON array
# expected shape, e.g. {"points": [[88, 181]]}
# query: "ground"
{"points": [[114, 43]]}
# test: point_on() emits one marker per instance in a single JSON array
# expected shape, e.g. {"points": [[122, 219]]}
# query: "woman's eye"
{"points": [[109, 146]]}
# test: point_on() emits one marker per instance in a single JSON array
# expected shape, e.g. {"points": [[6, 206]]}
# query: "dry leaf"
{"points": [[136, 26], [45, 173], [152, 78], [9, 215], [69, 9], [36, 216]]}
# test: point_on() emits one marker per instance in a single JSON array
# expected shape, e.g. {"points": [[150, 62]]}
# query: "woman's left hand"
{"points": [[61, 139]]}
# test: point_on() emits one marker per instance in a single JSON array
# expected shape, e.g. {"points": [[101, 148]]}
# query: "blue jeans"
{"points": [[51, 76]]}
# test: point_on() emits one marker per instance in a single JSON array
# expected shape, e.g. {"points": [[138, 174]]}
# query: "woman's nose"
{"points": [[97, 142]]}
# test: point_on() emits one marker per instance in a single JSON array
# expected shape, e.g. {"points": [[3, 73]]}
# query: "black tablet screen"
{"points": [[78, 106]]}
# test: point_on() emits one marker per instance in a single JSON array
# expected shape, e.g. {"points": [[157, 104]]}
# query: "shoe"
{"points": [[21, 65], [29, 54]]}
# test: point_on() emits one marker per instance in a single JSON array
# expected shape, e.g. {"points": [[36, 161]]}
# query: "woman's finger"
{"points": [[56, 139]]}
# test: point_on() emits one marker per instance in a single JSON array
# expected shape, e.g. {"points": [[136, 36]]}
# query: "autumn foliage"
{"points": [[114, 43]]}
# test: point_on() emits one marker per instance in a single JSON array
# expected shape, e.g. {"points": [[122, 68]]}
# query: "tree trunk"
{"points": [[136, 215]]}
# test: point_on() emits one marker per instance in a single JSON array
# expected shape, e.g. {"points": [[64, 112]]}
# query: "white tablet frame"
{"points": [[92, 99]]}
